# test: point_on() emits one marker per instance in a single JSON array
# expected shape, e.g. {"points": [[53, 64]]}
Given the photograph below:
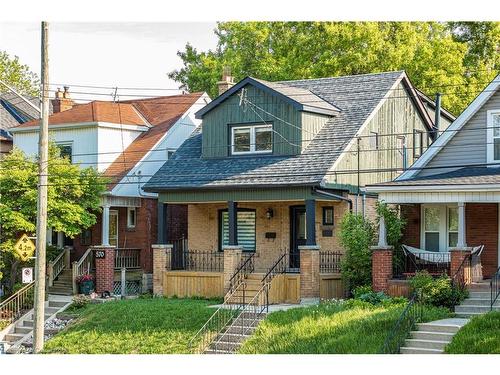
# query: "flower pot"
{"points": [[86, 287]]}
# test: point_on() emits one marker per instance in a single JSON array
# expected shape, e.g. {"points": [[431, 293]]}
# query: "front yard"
{"points": [[480, 336], [142, 326], [353, 327]]}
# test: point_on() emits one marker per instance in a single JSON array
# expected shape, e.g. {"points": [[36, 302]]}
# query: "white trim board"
{"points": [[455, 126]]}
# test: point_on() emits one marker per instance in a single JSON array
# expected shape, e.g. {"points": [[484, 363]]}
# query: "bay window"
{"points": [[251, 139]]}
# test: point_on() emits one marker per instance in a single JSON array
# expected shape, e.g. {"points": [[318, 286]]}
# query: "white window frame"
{"points": [[490, 147], [253, 129], [129, 225], [418, 151], [444, 234], [67, 143]]}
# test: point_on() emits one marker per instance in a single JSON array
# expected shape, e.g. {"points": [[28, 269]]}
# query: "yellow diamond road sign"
{"points": [[24, 248]]}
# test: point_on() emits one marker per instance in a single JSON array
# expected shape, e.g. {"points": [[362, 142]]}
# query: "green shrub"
{"points": [[436, 291], [366, 294], [80, 301], [356, 236]]}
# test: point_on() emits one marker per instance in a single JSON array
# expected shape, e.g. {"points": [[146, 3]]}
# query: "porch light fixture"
{"points": [[269, 213]]}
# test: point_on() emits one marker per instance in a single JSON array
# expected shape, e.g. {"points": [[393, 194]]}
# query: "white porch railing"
{"points": [[82, 267], [56, 266]]}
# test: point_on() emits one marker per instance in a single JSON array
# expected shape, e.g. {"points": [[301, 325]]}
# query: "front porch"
{"points": [[290, 244]]}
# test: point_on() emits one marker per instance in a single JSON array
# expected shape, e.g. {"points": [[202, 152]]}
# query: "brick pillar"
{"points": [[309, 272], [104, 269], [232, 259], [161, 263], [381, 267], [457, 256]]}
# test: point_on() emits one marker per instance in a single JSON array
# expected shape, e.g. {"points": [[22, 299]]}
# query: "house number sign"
{"points": [[100, 254]]}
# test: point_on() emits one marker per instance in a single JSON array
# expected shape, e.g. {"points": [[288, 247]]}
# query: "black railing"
{"points": [[411, 315], [192, 260], [293, 262], [329, 261], [279, 266], [247, 265], [406, 264], [495, 288]]}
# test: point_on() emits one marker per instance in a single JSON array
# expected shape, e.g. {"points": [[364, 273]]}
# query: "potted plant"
{"points": [[85, 284]]}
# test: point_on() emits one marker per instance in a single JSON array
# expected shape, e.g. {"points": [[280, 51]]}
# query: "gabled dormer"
{"points": [[257, 118]]}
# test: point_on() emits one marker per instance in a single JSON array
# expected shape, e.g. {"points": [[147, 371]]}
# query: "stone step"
{"points": [[408, 350], [441, 328], [475, 309], [57, 304], [473, 294], [210, 351], [479, 287], [231, 337], [468, 315], [22, 329], [61, 292], [478, 302], [426, 344], [13, 337], [237, 329], [225, 345], [28, 323], [435, 336]]}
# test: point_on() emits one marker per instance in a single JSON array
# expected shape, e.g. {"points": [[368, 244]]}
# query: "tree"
{"points": [[17, 75], [433, 55], [73, 200]]}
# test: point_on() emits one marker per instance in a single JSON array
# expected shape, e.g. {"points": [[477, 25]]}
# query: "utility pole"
{"points": [[41, 224]]}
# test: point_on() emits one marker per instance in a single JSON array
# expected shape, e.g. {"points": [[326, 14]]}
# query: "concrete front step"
{"points": [[57, 304], [441, 328], [22, 329], [482, 295], [407, 350], [426, 344], [210, 351], [232, 337], [434, 336], [13, 337], [478, 302], [471, 309]]}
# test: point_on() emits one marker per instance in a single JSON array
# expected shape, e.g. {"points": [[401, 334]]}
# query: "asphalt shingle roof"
{"points": [[462, 176], [355, 96]]}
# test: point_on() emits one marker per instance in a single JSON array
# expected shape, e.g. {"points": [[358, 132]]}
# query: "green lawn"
{"points": [[154, 325], [340, 328], [480, 336]]}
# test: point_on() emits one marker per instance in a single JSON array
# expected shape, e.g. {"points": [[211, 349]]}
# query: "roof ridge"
{"points": [[344, 76]]}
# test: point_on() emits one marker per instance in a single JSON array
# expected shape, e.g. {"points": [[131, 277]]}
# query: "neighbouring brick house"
{"points": [[264, 178], [127, 141], [450, 197]]}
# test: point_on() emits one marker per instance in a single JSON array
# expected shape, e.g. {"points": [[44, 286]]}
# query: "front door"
{"points": [[297, 233], [113, 228]]}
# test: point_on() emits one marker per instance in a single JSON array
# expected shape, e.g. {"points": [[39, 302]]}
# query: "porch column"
{"points": [[310, 222], [381, 260], [461, 242], [105, 226], [162, 223], [232, 210]]}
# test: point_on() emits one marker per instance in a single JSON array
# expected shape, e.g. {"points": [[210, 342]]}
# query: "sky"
{"points": [[115, 54]]}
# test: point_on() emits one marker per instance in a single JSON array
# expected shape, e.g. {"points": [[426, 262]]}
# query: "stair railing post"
{"points": [[74, 275]]}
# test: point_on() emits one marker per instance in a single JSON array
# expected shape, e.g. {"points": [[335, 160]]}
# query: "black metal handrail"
{"points": [[408, 264], [495, 288], [280, 266], [330, 261], [411, 315], [202, 261], [246, 266]]}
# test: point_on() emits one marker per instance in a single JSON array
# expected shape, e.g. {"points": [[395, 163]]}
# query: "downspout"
{"points": [[332, 195], [139, 189]]}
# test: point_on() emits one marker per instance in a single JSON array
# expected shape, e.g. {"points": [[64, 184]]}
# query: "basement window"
{"points": [[251, 139]]}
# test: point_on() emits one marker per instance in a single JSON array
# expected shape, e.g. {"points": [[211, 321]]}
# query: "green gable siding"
{"points": [[290, 125]]}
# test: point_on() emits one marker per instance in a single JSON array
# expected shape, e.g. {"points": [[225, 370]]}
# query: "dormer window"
{"points": [[251, 139], [493, 139]]}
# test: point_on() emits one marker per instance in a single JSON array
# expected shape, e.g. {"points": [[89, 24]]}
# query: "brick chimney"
{"points": [[63, 101], [227, 80]]}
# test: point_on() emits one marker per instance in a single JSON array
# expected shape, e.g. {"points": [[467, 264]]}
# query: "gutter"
{"points": [[332, 195]]}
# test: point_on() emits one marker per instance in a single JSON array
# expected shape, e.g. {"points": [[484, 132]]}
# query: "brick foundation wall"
{"points": [[105, 271], [481, 221], [411, 232]]}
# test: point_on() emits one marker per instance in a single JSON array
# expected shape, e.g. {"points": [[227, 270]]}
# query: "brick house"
{"points": [[127, 141], [264, 184], [450, 196]]}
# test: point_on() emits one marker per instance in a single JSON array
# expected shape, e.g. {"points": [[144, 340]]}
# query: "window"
{"points": [[86, 237], [373, 141], [251, 139], [246, 229], [493, 139], [328, 215], [66, 150], [170, 153], [113, 228], [418, 143], [131, 217], [439, 227]]}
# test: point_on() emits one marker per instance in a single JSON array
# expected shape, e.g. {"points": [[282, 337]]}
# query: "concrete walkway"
{"points": [[432, 337]]}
